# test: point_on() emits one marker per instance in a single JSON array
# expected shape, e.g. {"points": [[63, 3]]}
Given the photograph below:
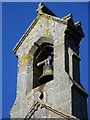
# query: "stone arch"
{"points": [[33, 52], [40, 41]]}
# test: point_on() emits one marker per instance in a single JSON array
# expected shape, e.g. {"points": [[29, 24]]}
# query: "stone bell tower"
{"points": [[48, 82]]}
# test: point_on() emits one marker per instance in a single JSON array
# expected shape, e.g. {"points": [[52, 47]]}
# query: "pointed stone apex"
{"points": [[43, 9], [77, 24], [67, 17], [79, 28]]}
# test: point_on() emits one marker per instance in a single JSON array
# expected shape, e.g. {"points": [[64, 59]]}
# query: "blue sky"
{"points": [[16, 17]]}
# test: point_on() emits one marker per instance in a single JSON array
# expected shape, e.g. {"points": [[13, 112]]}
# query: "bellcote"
{"points": [[73, 29], [48, 82]]}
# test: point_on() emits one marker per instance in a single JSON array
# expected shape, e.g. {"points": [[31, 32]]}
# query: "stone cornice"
{"points": [[60, 113], [75, 28], [32, 110], [39, 103], [79, 87]]}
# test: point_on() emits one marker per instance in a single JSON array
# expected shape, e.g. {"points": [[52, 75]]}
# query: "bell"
{"points": [[47, 74]]}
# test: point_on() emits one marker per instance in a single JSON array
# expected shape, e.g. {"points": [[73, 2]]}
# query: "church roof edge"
{"points": [[43, 10]]}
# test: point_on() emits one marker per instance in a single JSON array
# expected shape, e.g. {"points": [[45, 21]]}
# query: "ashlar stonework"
{"points": [[63, 97]]}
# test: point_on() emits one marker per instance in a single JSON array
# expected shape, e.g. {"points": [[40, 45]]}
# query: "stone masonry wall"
{"points": [[56, 92]]}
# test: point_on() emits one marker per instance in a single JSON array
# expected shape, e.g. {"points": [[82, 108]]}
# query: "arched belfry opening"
{"points": [[43, 64]]}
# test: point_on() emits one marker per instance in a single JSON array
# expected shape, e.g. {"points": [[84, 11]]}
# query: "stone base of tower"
{"points": [[50, 100]]}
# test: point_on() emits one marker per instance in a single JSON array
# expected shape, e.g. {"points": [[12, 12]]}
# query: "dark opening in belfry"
{"points": [[43, 64]]}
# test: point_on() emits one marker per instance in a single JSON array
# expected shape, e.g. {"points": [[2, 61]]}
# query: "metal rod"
{"points": [[43, 62], [43, 49]]}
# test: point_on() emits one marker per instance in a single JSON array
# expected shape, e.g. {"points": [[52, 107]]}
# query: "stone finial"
{"points": [[79, 28], [43, 9], [39, 9], [77, 24], [67, 17]]}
